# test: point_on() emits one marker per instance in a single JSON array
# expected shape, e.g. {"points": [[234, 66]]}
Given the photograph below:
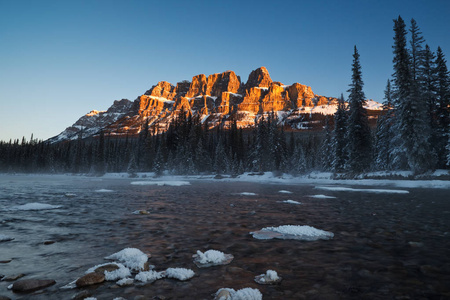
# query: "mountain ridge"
{"points": [[217, 99]]}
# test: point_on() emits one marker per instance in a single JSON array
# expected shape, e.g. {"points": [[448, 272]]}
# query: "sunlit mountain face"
{"points": [[220, 99]]}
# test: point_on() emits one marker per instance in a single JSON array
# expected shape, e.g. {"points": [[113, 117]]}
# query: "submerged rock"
{"points": [[30, 285], [90, 279], [4, 298], [13, 277]]}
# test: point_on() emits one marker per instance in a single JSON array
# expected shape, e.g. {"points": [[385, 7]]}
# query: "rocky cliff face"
{"points": [[214, 99]]}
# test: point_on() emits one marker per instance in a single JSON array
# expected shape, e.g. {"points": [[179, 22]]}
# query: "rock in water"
{"points": [[90, 279], [30, 285]]}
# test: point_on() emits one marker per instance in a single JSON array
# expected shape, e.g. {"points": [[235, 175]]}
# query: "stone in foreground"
{"points": [[30, 285]]}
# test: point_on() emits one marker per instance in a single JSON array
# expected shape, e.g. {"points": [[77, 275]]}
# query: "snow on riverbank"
{"points": [[403, 179]]}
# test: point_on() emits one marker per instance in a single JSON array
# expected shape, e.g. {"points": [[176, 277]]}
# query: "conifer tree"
{"points": [[339, 137], [384, 132], [416, 49], [411, 118], [443, 103], [358, 131]]}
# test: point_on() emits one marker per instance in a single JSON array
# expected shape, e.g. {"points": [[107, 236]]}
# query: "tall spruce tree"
{"points": [[416, 49], [358, 130], [443, 103], [384, 132], [411, 114], [339, 137]]}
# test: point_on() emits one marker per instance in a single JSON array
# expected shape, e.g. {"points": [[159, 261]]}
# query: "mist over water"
{"points": [[384, 246]]}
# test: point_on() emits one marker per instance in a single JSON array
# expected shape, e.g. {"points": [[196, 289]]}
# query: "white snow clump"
{"points": [[162, 183], [211, 258], [247, 194], [149, 276], [35, 206], [291, 202], [322, 197], [242, 294], [347, 189], [104, 191], [268, 278], [120, 273], [179, 273], [131, 257], [295, 232], [284, 192], [125, 281]]}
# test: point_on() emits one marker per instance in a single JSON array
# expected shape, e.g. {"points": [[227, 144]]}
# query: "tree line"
{"points": [[412, 133]]}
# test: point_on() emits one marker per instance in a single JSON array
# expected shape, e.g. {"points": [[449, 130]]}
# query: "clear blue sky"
{"points": [[61, 59]]}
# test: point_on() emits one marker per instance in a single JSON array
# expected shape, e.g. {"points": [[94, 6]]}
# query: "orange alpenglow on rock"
{"points": [[219, 98]]}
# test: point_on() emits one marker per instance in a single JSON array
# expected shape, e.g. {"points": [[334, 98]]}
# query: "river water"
{"points": [[385, 245]]}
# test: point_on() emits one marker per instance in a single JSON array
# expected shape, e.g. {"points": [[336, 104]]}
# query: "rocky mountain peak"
{"points": [[216, 99], [259, 78]]}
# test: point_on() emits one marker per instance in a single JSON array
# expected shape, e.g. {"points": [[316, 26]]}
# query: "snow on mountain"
{"points": [[219, 99]]}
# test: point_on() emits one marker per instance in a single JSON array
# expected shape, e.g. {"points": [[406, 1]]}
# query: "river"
{"points": [[385, 245]]}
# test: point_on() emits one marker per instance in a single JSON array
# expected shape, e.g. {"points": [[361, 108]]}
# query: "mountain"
{"points": [[217, 99]]}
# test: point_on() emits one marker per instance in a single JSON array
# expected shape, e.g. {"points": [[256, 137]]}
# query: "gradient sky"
{"points": [[61, 59]]}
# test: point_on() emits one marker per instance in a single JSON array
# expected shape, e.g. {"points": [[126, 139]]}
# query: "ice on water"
{"points": [[284, 192], [291, 202], [162, 183], [242, 294], [322, 197], [347, 189], [149, 276], [179, 273], [35, 206], [295, 232], [247, 194]]}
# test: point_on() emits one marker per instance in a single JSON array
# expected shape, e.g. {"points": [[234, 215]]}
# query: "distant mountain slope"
{"points": [[218, 99]]}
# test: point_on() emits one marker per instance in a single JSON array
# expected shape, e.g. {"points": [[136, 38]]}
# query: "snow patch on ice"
{"points": [[161, 183], [247, 194], [296, 232], [322, 197], [131, 257], [179, 273], [347, 189], [35, 206], [211, 258], [149, 276], [242, 294], [291, 202], [284, 192], [269, 277]]}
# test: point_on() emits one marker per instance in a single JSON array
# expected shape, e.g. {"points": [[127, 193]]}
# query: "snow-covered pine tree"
{"points": [[411, 113], [339, 137], [443, 103], [358, 130], [417, 51], [383, 137], [326, 152]]}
